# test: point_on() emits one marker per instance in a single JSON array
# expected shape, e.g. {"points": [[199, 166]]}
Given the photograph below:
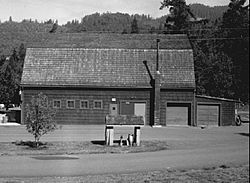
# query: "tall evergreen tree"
{"points": [[8, 82], [10, 76], [235, 27], [134, 27]]}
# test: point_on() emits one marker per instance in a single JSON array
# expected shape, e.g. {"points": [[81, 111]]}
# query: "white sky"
{"points": [[66, 10]]}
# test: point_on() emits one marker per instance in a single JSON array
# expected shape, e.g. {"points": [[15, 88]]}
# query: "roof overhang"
{"points": [[218, 98]]}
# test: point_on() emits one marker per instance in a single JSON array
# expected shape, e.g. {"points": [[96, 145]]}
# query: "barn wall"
{"points": [[227, 110], [87, 116], [177, 96]]}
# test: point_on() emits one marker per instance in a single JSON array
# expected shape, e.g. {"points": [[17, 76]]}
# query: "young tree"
{"points": [[40, 117]]}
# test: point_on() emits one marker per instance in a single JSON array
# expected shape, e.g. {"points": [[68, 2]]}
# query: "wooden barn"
{"points": [[87, 76]]}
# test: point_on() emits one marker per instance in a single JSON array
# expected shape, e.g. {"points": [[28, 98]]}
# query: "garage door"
{"points": [[177, 114], [208, 114]]}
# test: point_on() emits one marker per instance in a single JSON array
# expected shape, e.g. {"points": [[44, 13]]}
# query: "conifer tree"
{"points": [[134, 27]]}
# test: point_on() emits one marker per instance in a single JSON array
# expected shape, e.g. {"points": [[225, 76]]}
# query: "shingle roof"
{"points": [[111, 40], [107, 67]]}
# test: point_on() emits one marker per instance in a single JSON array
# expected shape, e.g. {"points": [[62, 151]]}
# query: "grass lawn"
{"points": [[60, 148], [205, 175]]}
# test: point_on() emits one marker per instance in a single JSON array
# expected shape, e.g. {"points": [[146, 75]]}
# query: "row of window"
{"points": [[84, 104]]}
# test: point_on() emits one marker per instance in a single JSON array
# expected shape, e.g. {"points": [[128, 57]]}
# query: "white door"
{"points": [[140, 110]]}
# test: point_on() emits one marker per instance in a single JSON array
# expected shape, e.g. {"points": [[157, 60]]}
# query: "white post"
{"points": [[109, 135], [137, 135]]}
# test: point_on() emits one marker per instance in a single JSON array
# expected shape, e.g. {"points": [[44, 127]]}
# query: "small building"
{"points": [[87, 76], [214, 111]]}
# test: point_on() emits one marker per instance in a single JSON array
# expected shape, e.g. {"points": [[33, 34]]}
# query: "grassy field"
{"points": [[220, 174]]}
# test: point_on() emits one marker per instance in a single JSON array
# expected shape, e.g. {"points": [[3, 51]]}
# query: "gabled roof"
{"points": [[108, 67]]}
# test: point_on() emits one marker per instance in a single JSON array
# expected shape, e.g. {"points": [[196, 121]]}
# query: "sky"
{"points": [[67, 10]]}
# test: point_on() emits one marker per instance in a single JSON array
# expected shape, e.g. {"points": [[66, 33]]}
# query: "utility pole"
{"points": [[157, 88]]}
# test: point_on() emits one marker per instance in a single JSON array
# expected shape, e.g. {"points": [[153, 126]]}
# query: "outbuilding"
{"points": [[215, 111]]}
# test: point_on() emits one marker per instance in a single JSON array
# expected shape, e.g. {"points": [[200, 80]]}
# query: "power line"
{"points": [[219, 38]]}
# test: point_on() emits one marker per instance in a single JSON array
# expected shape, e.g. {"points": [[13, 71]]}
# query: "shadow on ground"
{"points": [[54, 158], [98, 142], [102, 142], [244, 134]]}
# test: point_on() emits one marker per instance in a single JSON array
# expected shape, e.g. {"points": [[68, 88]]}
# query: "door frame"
{"points": [[213, 104]]}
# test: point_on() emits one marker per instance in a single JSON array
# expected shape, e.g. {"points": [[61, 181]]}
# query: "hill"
{"points": [[12, 34], [211, 13]]}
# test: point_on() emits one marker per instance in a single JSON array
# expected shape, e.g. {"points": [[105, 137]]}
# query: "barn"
{"points": [[88, 76]]}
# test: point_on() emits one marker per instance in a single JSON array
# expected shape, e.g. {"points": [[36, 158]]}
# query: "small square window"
{"points": [[97, 104], [84, 104], [70, 104], [56, 103]]}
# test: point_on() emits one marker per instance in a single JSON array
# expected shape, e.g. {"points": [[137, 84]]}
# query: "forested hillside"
{"points": [[211, 13], [12, 34], [121, 23]]}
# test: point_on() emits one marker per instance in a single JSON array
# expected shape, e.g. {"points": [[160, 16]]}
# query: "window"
{"points": [[84, 104], [97, 104], [56, 103], [70, 104]]}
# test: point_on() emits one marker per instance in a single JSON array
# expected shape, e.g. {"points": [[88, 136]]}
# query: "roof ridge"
{"points": [[83, 48]]}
